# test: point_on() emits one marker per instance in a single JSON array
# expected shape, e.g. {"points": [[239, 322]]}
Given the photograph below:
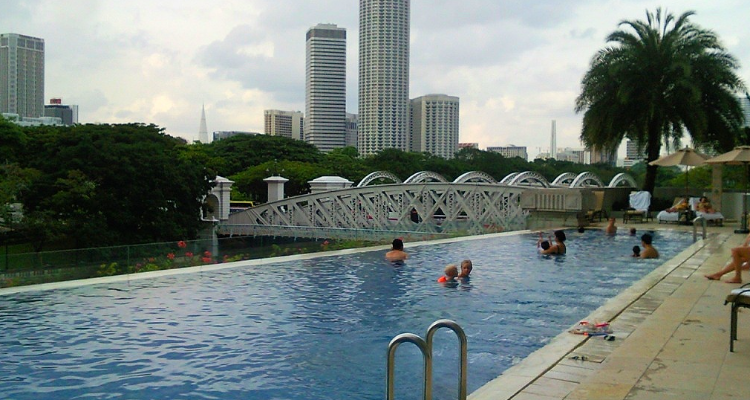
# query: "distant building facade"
{"points": [[384, 33], [599, 156], [434, 125], [21, 75], [468, 146], [288, 124], [352, 129], [510, 151], [577, 156], [745, 103], [68, 114], [325, 87], [219, 135], [29, 121]]}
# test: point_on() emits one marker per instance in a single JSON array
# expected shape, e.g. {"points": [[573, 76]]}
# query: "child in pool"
{"points": [[636, 251], [451, 272]]}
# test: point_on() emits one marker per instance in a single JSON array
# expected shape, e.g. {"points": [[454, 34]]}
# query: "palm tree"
{"points": [[656, 80]]}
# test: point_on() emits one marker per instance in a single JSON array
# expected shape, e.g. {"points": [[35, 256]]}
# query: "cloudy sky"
{"points": [[516, 65]]}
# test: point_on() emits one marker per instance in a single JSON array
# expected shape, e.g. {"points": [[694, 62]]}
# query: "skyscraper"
{"points": [[383, 75], [434, 125], [21, 75], [325, 87], [745, 104]]}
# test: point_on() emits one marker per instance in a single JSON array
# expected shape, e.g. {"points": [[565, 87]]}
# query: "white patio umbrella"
{"points": [[739, 156], [687, 157]]}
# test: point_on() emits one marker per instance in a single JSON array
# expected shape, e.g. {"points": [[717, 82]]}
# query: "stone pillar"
{"points": [[222, 188], [717, 189], [275, 187]]}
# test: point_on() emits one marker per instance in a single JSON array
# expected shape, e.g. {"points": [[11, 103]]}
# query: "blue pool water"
{"points": [[315, 329]]}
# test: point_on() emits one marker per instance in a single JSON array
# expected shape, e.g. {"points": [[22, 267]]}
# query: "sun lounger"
{"points": [[715, 217], [640, 203], [739, 298]]}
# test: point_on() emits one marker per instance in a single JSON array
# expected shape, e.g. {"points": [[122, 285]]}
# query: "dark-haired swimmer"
{"points": [[397, 253], [648, 250], [559, 246]]}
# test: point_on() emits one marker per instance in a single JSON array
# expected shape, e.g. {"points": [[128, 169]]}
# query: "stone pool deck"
{"points": [[672, 339]]}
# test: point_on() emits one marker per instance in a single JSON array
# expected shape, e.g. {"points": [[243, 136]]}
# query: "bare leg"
{"points": [[717, 275], [739, 256]]}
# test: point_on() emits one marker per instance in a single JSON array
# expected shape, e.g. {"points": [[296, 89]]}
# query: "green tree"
{"points": [[115, 184], [250, 182], [238, 153], [657, 79]]}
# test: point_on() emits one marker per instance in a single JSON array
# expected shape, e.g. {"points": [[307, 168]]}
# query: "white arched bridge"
{"points": [[381, 205]]}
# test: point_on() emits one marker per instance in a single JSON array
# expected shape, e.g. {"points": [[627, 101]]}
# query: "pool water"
{"points": [[314, 329]]}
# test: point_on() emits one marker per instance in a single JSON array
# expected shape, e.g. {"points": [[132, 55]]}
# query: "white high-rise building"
{"points": [[325, 87], [745, 103], [510, 151], [288, 124], [383, 75], [434, 125], [553, 141], [21, 75]]}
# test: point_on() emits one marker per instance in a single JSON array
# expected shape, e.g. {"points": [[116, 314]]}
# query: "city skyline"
{"points": [[515, 66]]}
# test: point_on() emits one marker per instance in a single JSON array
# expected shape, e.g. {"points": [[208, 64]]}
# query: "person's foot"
{"points": [[734, 280], [713, 277]]}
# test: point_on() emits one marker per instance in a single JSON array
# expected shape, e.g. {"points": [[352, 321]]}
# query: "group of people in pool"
{"points": [[451, 273], [558, 248]]}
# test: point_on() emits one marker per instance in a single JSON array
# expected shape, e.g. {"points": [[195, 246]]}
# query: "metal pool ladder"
{"points": [[425, 346]]}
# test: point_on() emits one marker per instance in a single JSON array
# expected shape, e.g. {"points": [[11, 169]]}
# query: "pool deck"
{"points": [[671, 339]]}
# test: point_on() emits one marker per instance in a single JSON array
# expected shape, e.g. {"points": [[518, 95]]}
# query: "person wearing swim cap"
{"points": [[397, 253], [451, 272]]}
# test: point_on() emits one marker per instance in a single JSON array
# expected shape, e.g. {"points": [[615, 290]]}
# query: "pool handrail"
{"points": [[702, 222], [462, 343], [426, 354]]}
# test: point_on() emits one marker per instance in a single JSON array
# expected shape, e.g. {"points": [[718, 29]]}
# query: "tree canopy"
{"points": [[659, 79]]}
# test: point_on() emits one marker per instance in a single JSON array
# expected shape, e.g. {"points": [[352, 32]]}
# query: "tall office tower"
{"points": [[631, 151], [553, 141], [288, 124], [352, 122], [21, 75], [56, 109], [745, 103], [383, 75], [434, 125], [203, 129], [325, 87]]}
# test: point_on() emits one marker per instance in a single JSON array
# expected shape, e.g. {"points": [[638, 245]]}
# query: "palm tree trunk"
{"points": [[652, 149]]}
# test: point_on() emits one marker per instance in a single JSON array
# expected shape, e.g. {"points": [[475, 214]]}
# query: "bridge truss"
{"points": [[353, 212]]}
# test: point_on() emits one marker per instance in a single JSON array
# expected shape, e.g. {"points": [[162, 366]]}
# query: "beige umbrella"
{"points": [[687, 157], [739, 156]]}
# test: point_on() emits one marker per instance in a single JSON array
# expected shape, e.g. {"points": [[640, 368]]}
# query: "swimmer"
{"points": [[543, 244], [397, 253], [559, 246], [632, 231], [636, 251], [611, 229], [466, 268], [581, 229], [648, 250], [451, 272]]}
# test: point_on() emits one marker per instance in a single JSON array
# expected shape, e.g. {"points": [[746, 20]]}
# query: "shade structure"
{"points": [[687, 157], [739, 156]]}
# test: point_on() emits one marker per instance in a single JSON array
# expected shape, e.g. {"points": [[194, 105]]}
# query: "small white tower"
{"points": [[203, 130]]}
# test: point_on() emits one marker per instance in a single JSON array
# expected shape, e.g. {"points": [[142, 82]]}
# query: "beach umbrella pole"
{"points": [[743, 227]]}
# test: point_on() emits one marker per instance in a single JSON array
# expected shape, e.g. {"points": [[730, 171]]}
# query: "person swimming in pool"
{"points": [[466, 267], [397, 253], [611, 228], [636, 251], [450, 274], [649, 251], [559, 246]]}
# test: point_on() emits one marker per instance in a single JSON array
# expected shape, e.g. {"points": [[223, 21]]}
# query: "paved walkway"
{"points": [[672, 341]]}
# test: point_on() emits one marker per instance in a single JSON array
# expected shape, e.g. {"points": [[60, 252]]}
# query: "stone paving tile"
{"points": [[598, 390], [641, 392], [551, 387], [532, 396], [681, 375]]}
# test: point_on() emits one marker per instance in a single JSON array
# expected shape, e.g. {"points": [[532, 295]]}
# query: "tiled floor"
{"points": [[671, 342]]}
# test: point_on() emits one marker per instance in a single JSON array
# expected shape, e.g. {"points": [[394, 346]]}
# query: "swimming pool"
{"points": [[311, 329]]}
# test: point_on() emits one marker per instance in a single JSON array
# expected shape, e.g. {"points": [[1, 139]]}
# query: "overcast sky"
{"points": [[516, 65]]}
